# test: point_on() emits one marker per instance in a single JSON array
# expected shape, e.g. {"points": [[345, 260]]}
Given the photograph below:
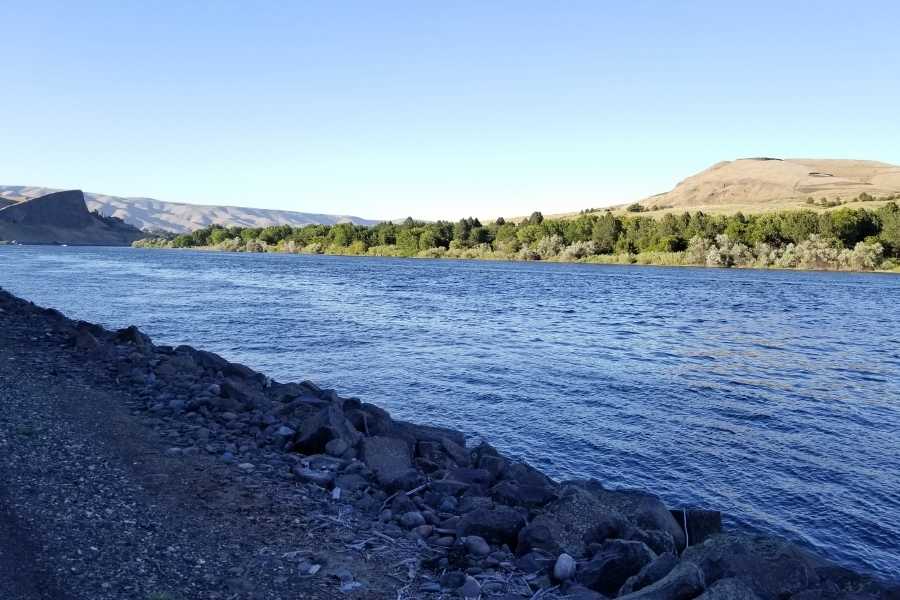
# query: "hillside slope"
{"points": [[151, 214], [778, 183], [62, 218]]}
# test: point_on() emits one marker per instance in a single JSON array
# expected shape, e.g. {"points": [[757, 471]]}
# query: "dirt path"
{"points": [[94, 505]]}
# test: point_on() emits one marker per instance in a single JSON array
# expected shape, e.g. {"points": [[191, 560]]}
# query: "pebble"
{"points": [[477, 546], [471, 589], [412, 519], [246, 466], [564, 569]]}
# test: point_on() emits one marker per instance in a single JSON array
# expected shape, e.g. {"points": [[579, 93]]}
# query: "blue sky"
{"points": [[434, 109]]}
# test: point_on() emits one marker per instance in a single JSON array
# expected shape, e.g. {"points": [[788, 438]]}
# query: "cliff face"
{"points": [[62, 218]]}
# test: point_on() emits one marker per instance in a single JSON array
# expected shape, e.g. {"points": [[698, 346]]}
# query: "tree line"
{"points": [[767, 239]]}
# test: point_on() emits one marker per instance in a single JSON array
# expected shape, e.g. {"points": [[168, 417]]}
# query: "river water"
{"points": [[773, 396]]}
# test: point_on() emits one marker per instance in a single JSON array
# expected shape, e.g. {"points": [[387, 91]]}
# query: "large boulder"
{"points": [[574, 518], [684, 582], [773, 568], [661, 566], [500, 525], [613, 564], [390, 459], [641, 508], [326, 425], [701, 523], [732, 589], [520, 494]]}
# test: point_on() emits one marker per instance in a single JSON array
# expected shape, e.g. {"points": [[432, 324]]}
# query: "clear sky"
{"points": [[434, 109]]}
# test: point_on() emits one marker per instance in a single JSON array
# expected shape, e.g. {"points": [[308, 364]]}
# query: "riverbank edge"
{"points": [[626, 260], [471, 505]]}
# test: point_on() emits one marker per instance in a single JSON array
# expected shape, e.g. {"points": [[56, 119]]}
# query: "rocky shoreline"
{"points": [[464, 521]]}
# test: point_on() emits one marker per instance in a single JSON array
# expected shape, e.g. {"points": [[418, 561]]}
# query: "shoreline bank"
{"points": [[479, 516], [636, 260]]}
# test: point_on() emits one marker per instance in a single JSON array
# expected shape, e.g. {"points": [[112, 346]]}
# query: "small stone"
{"points": [[564, 569], [246, 466], [412, 519], [471, 589], [336, 493], [424, 530], [284, 432], [453, 580], [477, 546], [227, 457], [337, 447]]}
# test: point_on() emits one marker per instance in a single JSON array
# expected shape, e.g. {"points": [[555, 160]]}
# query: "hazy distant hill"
{"points": [[763, 183], [147, 213]]}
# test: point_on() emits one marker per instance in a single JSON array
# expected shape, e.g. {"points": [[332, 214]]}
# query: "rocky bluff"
{"points": [[62, 218], [478, 516]]}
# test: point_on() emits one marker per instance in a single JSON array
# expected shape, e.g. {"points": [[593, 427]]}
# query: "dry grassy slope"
{"points": [[147, 213], [755, 185]]}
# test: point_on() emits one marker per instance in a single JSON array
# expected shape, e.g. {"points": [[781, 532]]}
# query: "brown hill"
{"points": [[758, 184], [62, 218]]}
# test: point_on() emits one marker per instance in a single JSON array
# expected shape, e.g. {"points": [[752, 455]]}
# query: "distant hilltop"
{"points": [[760, 184], [155, 215], [62, 218]]}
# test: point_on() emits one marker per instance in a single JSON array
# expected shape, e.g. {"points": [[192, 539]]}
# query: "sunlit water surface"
{"points": [[773, 396]]}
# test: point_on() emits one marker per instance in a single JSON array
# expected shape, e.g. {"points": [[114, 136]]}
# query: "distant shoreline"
{"points": [[637, 260]]}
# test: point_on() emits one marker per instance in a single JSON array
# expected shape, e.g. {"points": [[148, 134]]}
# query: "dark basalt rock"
{"points": [[500, 525], [735, 589], [660, 567], [684, 582], [326, 425], [701, 523], [517, 494], [643, 509], [616, 561], [390, 460], [773, 568]]}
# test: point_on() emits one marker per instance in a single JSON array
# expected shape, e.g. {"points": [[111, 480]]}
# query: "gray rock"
{"points": [[453, 580], [684, 582], [775, 568], [518, 494], [326, 425], [735, 589], [661, 566], [564, 569], [477, 546], [388, 458], [614, 563], [537, 536], [351, 482], [500, 525], [412, 519], [641, 508], [470, 590], [318, 477], [701, 523], [457, 452], [337, 447], [571, 518], [579, 592]]}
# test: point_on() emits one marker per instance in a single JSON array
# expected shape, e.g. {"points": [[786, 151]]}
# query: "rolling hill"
{"points": [[150, 214], [760, 184], [62, 218]]}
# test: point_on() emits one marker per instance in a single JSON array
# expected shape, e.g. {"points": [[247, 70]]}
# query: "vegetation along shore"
{"points": [[136, 470], [847, 238]]}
